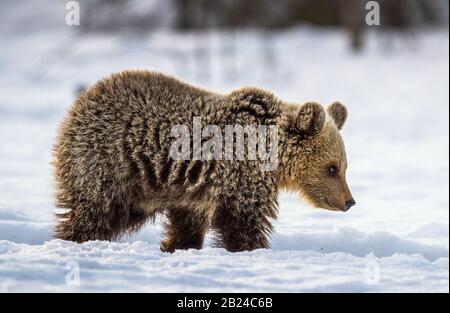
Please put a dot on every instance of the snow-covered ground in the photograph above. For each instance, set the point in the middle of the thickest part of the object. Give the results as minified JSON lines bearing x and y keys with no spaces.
{"x":395,"y":239}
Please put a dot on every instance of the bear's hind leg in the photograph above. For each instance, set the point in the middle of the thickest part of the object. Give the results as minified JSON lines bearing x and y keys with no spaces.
{"x":89,"y":222}
{"x":185,"y":229}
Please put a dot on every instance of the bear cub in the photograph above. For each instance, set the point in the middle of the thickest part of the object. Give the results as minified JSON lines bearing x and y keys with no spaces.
{"x":114,"y":166}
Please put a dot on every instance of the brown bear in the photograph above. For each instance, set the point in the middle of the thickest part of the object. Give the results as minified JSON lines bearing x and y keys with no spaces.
{"x":114,"y":171}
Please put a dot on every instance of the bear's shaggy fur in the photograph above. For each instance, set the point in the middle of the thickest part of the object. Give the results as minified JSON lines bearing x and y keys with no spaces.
{"x":113,"y":170}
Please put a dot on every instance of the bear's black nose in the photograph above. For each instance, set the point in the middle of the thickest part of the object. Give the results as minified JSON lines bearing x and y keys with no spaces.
{"x":349,"y":204}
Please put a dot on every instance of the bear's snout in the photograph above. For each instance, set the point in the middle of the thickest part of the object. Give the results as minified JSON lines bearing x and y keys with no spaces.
{"x":349,"y":204}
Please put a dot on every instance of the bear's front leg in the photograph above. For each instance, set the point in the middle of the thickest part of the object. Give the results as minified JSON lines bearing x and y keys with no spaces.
{"x":242,"y":221}
{"x":185,"y":229}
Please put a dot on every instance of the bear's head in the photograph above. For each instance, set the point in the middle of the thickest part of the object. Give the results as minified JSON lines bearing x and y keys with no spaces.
{"x":313,"y":160}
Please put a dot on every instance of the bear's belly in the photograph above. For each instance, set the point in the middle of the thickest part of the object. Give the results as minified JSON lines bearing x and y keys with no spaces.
{"x":173,"y":197}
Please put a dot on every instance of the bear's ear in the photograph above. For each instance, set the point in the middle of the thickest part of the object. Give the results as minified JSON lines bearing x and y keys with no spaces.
{"x":310,"y":118}
{"x":338,"y":113}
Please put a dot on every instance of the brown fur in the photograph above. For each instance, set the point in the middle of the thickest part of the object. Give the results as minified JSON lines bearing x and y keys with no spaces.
{"x":114,"y":173}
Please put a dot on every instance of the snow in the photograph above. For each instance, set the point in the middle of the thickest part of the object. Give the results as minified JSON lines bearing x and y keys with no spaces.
{"x":395,"y":239}
{"x":140,"y":266}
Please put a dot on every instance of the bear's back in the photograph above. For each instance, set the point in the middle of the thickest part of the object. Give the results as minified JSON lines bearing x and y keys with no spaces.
{"x":149,"y":93}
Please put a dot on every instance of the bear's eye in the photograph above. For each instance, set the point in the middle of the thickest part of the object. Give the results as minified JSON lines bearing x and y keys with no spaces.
{"x":332,"y":170}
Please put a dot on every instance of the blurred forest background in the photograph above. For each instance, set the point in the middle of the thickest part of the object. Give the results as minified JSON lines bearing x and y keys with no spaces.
{"x":402,"y":16}
{"x":399,"y":15}
{"x":113,"y":15}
